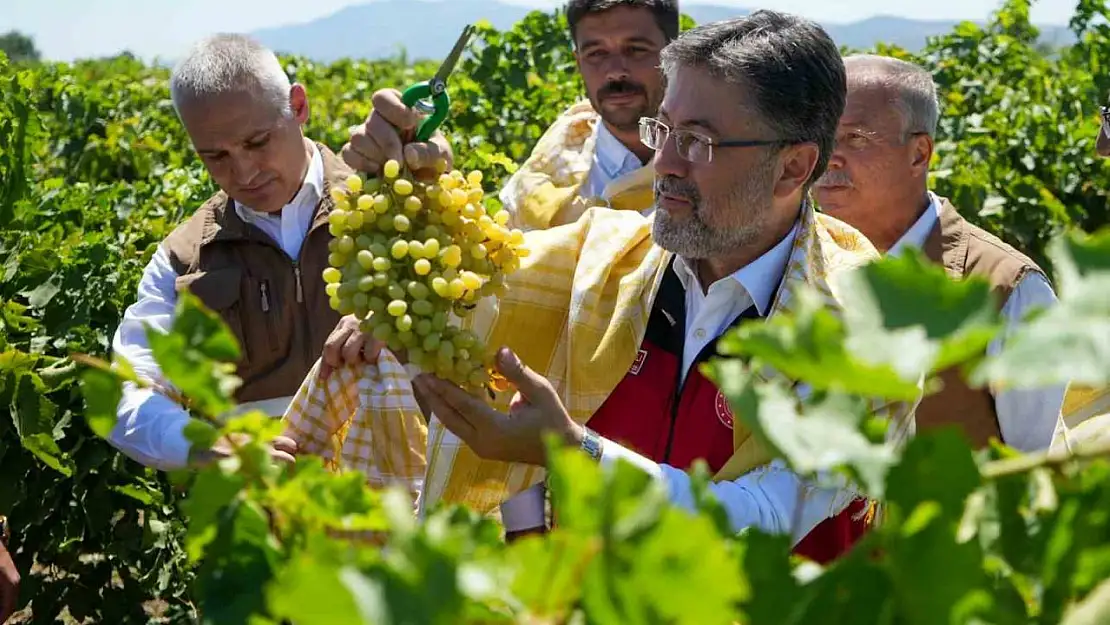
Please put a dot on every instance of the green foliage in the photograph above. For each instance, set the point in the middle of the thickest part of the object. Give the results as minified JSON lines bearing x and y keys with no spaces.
{"x":1016,"y":139}
{"x":95,"y":170}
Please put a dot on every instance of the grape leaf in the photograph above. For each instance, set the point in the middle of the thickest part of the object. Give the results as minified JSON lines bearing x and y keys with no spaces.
{"x":238,"y":566}
{"x":824,"y":435}
{"x":906,"y":311}
{"x":1069,"y":342}
{"x":307,"y":578}
{"x":102,"y":393}
{"x":40,"y":296}
{"x":211,"y":493}
{"x":200,"y":434}
{"x":810,"y":345}
{"x":937,"y":577}
{"x":198,"y":355}
{"x":31,"y":412}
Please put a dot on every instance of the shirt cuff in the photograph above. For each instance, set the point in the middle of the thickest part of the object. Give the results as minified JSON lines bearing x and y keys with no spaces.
{"x":525,"y":510}
{"x":612,"y":452}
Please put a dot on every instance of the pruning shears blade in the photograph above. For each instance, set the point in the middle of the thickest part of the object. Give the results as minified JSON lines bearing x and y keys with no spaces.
{"x":448,"y":65}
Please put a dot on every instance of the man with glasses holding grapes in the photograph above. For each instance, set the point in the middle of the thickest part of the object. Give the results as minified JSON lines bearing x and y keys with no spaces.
{"x":614,"y":312}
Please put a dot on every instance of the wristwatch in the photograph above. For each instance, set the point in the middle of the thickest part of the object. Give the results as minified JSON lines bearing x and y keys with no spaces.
{"x":591,"y":444}
{"x":5,"y":530}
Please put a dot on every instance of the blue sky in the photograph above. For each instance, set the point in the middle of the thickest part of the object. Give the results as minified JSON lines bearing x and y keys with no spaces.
{"x":68,"y":29}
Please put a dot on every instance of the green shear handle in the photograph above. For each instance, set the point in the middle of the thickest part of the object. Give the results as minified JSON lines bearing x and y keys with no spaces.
{"x":436,"y":89}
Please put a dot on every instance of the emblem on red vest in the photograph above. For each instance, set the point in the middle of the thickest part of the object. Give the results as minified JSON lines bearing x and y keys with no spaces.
{"x":637,"y":364}
{"x":724,"y":412}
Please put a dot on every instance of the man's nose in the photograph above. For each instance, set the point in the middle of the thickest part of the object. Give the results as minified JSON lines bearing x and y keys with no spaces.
{"x":616,"y":67}
{"x":667,"y":162}
{"x":245,"y":169}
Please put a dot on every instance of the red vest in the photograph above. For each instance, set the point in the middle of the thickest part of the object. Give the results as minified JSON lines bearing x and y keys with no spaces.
{"x":671,"y":422}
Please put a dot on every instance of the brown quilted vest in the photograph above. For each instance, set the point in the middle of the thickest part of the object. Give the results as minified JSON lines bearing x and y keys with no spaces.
{"x":275,"y":305}
{"x":965,"y":249}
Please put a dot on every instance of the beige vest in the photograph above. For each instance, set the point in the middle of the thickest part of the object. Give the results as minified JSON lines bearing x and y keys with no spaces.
{"x":965,"y":249}
{"x":275,"y":305}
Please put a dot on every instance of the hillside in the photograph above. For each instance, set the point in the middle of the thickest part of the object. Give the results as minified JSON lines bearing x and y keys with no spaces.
{"x":426,"y":29}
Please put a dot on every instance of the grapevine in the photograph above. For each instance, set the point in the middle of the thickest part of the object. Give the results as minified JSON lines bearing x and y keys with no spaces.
{"x":411,"y":258}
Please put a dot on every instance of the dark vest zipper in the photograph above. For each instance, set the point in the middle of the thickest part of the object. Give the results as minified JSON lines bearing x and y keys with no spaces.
{"x":264,"y":289}
{"x":298,"y":282}
{"x":710,"y":349}
{"x":676,"y":400}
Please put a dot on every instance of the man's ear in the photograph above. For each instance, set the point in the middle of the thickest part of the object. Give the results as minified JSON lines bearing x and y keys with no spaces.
{"x":797,"y":162}
{"x":922,"y":153}
{"x":298,"y":101}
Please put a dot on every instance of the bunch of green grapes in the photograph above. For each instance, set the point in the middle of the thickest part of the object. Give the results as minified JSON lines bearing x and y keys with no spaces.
{"x":406,"y":254}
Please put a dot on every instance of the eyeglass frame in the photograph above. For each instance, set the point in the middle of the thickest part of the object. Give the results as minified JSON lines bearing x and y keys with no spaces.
{"x":710,"y":142}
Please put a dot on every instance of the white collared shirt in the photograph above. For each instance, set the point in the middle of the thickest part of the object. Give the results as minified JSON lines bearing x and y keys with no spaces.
{"x":150,"y":425}
{"x":611,"y":160}
{"x":709,"y":312}
{"x":767,"y":498}
{"x":1027,"y":418}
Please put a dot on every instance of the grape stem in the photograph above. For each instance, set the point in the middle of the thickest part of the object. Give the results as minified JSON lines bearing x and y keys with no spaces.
{"x":1049,"y":458}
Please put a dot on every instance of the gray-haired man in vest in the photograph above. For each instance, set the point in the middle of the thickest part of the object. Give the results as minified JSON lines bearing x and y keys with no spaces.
{"x":253,"y":253}
{"x":877,"y":181}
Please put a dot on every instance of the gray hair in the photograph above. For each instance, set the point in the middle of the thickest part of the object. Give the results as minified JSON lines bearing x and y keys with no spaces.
{"x":230,"y":63}
{"x":916,"y":93}
{"x":789,"y":64}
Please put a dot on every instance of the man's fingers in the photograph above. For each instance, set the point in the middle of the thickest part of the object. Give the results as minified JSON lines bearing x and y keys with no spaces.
{"x":352,"y":348}
{"x":361,"y":152}
{"x":285,"y":443}
{"x":452,"y":419}
{"x":423,"y":155}
{"x":387,"y":104}
{"x":282,"y":456}
{"x":476,"y":411}
{"x":531,"y":385}
{"x":332,"y":356}
{"x":386,"y":139}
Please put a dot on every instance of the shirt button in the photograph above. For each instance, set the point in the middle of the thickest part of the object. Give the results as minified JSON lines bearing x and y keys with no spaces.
{"x":699,"y":334}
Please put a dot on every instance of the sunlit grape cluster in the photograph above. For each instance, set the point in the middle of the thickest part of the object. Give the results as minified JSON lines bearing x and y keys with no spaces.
{"x":406,"y":254}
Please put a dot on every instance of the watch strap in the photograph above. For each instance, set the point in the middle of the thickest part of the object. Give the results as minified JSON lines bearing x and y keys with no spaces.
{"x":591,"y":444}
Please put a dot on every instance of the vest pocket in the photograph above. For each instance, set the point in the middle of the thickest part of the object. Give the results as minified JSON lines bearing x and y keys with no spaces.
{"x":219,"y":290}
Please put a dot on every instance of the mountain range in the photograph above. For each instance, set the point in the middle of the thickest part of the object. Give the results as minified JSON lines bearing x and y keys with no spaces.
{"x":427,"y":29}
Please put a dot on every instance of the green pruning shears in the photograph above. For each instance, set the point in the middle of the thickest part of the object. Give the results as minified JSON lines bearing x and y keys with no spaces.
{"x":436,"y":89}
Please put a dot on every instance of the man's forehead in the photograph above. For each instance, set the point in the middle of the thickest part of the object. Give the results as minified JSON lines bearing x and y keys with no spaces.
{"x":221,"y":121}
{"x":699,"y":100}
{"x":621,"y":23}
{"x":869,"y":102}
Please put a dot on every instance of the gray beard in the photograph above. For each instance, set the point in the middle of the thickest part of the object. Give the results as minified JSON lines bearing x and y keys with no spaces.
{"x":695,"y":239}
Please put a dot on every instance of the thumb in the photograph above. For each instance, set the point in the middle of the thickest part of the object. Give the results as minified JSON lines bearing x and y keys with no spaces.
{"x":533,"y":386}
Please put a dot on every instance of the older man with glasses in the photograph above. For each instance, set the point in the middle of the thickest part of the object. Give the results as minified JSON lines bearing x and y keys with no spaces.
{"x":613,"y":312}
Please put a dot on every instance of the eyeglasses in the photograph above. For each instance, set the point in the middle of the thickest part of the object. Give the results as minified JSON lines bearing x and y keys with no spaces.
{"x":692,"y":146}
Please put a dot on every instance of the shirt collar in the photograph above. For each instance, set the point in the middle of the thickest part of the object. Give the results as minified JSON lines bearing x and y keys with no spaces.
{"x":919,"y":231}
{"x":312,"y":189}
{"x":759,"y":278}
{"x":614,"y":157}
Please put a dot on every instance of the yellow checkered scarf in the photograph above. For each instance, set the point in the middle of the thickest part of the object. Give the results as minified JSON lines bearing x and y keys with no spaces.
{"x":544,"y":192}
{"x":576,"y":312}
